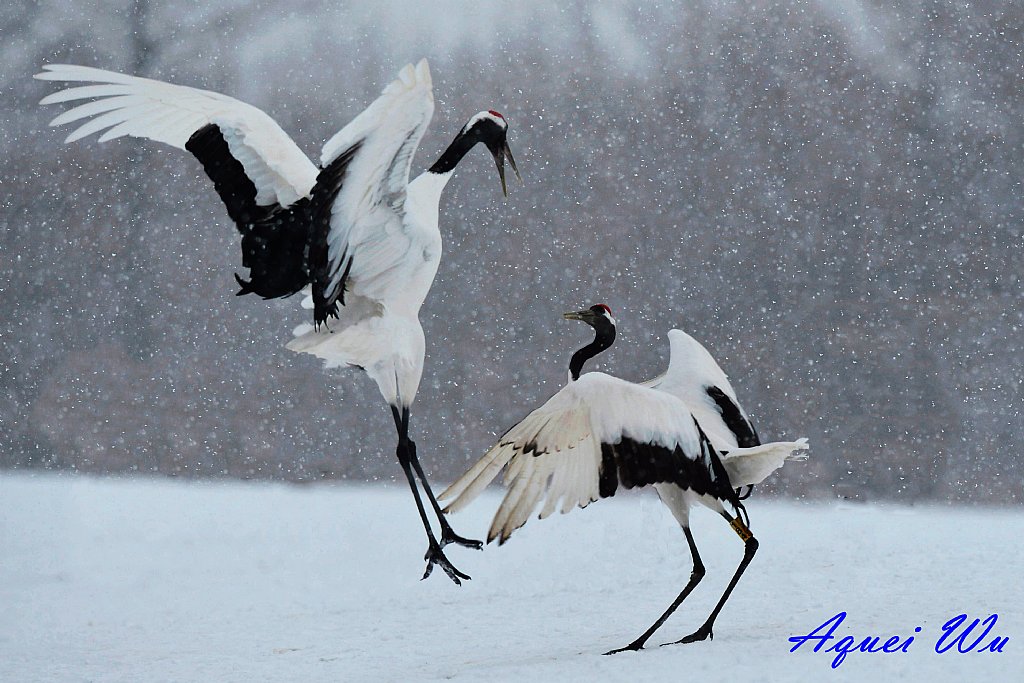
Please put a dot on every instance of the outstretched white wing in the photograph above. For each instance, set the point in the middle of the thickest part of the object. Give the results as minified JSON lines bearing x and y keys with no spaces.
{"x":172,"y":114}
{"x":696,"y":379}
{"x":593,"y":436}
{"x":359,"y":200}
{"x":699,"y":382}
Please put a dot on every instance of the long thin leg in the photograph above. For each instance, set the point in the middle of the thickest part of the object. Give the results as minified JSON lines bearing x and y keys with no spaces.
{"x":749,"y":548}
{"x":695,"y":576}
{"x":434,"y":554}
{"x":448,"y":534}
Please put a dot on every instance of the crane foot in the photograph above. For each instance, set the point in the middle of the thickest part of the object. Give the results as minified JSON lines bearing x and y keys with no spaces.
{"x":635,"y":646}
{"x":435,"y":556}
{"x":703,"y":633}
{"x":449,"y":536}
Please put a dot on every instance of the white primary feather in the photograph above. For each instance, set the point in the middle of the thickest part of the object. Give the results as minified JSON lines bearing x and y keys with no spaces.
{"x":366,"y":216}
{"x":554,"y":454}
{"x":167,"y":113}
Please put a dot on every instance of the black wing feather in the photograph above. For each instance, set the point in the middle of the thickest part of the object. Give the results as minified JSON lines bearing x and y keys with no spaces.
{"x":273,"y":237}
{"x":632,"y":464}
{"x":746,"y":435}
{"x":328,"y":185}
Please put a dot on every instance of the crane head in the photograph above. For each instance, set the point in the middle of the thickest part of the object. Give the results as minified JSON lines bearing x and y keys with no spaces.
{"x":491,"y":128}
{"x":593,"y":316}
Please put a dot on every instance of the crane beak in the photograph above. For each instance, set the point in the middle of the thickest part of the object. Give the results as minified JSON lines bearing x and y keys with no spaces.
{"x":502,"y":152}
{"x":512,"y":161}
{"x":578,"y":315}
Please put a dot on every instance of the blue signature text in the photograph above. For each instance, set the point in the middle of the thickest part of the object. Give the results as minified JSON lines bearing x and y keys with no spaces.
{"x":959,"y":634}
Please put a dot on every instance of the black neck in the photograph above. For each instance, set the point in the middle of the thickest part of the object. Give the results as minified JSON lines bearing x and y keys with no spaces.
{"x":604,"y":335}
{"x":462,"y":143}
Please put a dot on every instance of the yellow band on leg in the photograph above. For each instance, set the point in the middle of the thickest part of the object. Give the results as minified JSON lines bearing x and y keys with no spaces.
{"x":741,"y":529}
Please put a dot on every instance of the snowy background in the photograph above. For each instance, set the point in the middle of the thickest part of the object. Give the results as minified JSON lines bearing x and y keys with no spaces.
{"x":827,"y":193}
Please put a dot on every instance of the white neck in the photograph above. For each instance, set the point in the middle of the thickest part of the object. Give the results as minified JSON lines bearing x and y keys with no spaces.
{"x":428,"y":186}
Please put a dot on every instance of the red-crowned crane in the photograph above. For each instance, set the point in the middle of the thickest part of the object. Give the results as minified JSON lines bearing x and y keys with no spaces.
{"x":354,"y":229}
{"x":600,"y":433}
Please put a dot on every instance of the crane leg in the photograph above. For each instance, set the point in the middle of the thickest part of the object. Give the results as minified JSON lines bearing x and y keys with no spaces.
{"x":448,"y":534}
{"x":749,"y":548}
{"x":406,"y":453}
{"x":695,"y":576}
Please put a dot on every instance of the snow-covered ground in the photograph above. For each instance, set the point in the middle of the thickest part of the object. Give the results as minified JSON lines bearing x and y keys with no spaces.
{"x":151,"y":580}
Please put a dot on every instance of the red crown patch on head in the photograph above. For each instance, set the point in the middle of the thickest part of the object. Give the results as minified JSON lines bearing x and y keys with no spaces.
{"x":606,"y":309}
{"x":491,"y":111}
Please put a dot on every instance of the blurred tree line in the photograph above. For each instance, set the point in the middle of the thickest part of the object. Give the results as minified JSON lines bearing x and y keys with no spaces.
{"x":828,"y":194}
